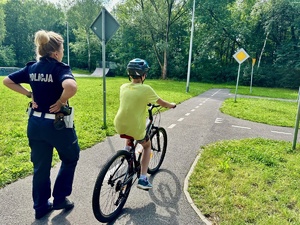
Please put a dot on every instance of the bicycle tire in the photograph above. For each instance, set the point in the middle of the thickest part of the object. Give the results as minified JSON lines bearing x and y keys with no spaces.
{"x":112,"y":187}
{"x":159,"y":142}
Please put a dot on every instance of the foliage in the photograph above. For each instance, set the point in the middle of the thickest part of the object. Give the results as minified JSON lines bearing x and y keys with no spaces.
{"x":23,"y":19}
{"x":280,"y":21}
{"x":85,"y":46}
{"x":2,"y":24}
{"x":159,"y":31}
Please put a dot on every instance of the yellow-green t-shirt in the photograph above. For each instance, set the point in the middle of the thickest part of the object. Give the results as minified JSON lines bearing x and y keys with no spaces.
{"x":131,"y":116}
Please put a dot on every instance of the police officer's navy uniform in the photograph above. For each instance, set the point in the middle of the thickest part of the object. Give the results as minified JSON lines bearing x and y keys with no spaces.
{"x":45,"y":78}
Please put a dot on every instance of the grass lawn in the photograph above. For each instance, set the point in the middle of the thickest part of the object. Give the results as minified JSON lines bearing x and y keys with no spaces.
{"x":251,"y":181}
{"x":88,"y":103}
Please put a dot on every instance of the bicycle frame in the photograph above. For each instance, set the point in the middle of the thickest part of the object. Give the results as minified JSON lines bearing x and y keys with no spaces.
{"x":133,"y":161}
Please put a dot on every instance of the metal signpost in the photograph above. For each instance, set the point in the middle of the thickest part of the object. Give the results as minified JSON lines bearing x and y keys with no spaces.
{"x":240,"y":56}
{"x":253,"y":63}
{"x":190,"y":52}
{"x":104,"y":26}
{"x":297,"y":123}
{"x":68,"y":44}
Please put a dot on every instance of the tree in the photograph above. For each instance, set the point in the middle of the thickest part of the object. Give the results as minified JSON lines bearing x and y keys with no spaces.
{"x":152,"y":22}
{"x":280,"y":21}
{"x":6,"y":53}
{"x":216,"y":41}
{"x":80,"y":17}
{"x":22,"y":22}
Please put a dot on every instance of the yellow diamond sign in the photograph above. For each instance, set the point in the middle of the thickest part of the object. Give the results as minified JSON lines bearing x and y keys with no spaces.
{"x":241,"y":55}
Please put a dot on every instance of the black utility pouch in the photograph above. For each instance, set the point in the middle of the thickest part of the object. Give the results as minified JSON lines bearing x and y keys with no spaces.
{"x":59,"y":122}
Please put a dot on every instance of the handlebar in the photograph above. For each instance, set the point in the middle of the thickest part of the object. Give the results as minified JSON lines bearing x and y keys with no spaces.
{"x":151,"y":107}
{"x":156,"y":106}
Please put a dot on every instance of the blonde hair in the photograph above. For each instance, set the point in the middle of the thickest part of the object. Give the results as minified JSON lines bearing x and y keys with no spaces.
{"x":47,"y":42}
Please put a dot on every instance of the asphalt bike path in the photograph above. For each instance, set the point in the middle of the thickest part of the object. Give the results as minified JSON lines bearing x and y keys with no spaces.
{"x":194,"y":123}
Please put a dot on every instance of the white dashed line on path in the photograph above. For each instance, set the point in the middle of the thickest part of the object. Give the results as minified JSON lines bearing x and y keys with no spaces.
{"x":187,"y":114}
{"x":193,"y":110}
{"x":219,"y":120}
{"x":172,"y":125}
{"x":216,"y":92}
{"x":241,"y":127}
{"x":279,"y":132}
{"x":180,"y":119}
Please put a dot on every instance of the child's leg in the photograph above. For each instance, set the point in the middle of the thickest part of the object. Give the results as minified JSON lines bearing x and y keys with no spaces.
{"x":145,"y":157}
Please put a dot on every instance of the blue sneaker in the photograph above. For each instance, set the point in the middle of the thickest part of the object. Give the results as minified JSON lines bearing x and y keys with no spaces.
{"x":144,"y":184}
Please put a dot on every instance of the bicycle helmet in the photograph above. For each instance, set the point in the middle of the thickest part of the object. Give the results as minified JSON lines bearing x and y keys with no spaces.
{"x":136,"y":68}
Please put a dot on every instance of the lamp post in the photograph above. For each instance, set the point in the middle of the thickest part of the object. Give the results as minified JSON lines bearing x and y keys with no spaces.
{"x":190,"y":52}
{"x":68,"y":50}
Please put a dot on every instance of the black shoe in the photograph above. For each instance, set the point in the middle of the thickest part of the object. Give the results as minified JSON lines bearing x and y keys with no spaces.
{"x":40,"y":214}
{"x":66,"y":204}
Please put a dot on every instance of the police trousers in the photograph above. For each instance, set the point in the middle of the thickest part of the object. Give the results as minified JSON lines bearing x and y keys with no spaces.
{"x":43,"y":138}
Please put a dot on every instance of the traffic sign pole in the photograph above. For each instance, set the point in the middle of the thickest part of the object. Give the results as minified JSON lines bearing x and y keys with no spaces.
{"x":240,"y":56}
{"x":297,"y":123}
{"x":253,"y":62}
{"x":103,"y":68}
{"x":237,"y":83}
{"x":104,"y":27}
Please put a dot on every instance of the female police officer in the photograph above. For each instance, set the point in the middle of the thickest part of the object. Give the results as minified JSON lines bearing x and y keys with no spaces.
{"x":52,"y":84}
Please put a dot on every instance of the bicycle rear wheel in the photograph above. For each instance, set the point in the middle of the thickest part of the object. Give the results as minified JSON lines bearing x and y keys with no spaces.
{"x":159,"y":141}
{"x":112,"y":187}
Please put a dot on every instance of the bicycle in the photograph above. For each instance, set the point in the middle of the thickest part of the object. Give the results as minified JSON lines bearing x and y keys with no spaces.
{"x":119,"y":173}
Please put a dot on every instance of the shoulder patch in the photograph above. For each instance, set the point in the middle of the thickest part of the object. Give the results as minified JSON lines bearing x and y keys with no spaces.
{"x":64,"y":64}
{"x":30,"y":63}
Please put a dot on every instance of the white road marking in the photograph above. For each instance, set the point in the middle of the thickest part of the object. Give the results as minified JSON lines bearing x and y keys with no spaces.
{"x":241,"y":127}
{"x":279,"y":132}
{"x":216,"y":92}
{"x":187,"y":114}
{"x":180,"y":119}
{"x":193,"y":110}
{"x":219,"y":120}
{"x":200,"y":104}
{"x":172,"y":125}
{"x":197,"y":107}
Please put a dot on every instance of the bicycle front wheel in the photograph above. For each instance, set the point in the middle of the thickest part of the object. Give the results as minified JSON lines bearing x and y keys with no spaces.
{"x":159,"y":141}
{"x":112,"y":187}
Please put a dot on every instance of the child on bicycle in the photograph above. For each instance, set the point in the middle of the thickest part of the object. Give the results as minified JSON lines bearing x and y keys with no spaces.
{"x":131,"y":115}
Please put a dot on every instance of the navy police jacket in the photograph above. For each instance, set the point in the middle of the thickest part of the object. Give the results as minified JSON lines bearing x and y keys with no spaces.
{"x":45,"y":78}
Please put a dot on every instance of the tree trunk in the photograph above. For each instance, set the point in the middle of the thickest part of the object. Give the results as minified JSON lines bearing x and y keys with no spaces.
{"x":262,"y":51}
